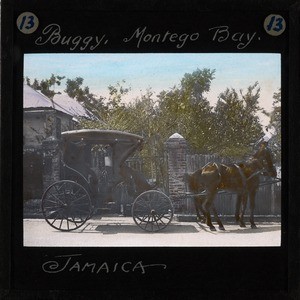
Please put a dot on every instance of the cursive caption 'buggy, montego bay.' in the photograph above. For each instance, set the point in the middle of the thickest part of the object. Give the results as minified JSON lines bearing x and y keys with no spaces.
{"x":53,"y":34}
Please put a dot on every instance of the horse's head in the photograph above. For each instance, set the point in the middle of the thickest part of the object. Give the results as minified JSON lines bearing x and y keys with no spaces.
{"x":264,"y":157}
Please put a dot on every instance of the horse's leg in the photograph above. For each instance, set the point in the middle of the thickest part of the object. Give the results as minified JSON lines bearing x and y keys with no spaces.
{"x":198,"y":206}
{"x":252,"y":195}
{"x":197,"y":209}
{"x":208,"y":203}
{"x":201,"y":201}
{"x":238,"y":207}
{"x":221,"y":226}
{"x":242,"y":212}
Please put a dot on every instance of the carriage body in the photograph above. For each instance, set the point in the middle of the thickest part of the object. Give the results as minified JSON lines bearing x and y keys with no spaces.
{"x":95,"y":178}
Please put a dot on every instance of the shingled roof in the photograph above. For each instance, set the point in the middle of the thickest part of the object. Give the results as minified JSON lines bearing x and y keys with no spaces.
{"x":61,"y":102}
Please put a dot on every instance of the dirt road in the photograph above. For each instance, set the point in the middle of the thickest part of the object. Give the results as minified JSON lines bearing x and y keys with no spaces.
{"x":123,"y":232}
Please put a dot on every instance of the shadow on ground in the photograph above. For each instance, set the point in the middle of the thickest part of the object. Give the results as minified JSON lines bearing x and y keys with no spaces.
{"x":115,"y":228}
{"x":240,"y":230}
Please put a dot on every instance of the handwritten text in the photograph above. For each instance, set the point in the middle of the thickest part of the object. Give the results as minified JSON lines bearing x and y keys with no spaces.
{"x":71,"y":263}
{"x":52,"y":34}
{"x":223,"y":33}
{"x":140,"y":35}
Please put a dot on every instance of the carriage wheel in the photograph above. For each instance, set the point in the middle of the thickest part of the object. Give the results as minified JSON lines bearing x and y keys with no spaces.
{"x":66,"y":205}
{"x":152,"y":210}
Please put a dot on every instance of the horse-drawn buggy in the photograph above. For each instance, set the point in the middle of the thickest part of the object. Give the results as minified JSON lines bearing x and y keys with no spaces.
{"x":93,"y":169}
{"x":95,"y":174}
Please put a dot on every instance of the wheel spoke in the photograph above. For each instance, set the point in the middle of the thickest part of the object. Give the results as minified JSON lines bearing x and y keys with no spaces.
{"x":61,"y":221}
{"x":142,"y":220}
{"x":73,"y":220}
{"x":79,"y":199}
{"x":58,"y":199}
{"x":156,"y":221}
{"x":141,"y":204}
{"x":147,"y":223}
{"x":54,"y":220}
{"x":51,"y":201}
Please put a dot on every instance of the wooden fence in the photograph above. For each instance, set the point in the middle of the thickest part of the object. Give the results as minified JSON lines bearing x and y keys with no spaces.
{"x":268,"y":198}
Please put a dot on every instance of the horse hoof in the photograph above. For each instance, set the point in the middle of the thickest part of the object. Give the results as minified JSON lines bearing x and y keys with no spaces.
{"x":243,"y":225}
{"x":212,"y":228}
{"x":221,"y":228}
{"x":253,"y":226}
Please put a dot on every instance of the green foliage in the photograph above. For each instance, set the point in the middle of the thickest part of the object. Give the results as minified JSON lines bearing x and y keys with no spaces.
{"x":116,"y":93}
{"x":195,"y":84}
{"x":230,"y":128}
{"x":275,"y":126}
{"x":83,"y":95}
{"x":237,"y":123}
{"x":186,"y":110}
{"x":45,"y":85}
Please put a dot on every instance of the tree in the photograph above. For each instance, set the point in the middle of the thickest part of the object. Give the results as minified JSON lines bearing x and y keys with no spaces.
{"x":93,"y":104}
{"x":185,"y":109}
{"x":111,"y":113}
{"x":145,"y":120}
{"x":274,"y":126}
{"x":46,"y":85}
{"x":116,"y":94}
{"x":197,"y":83}
{"x":238,"y":125}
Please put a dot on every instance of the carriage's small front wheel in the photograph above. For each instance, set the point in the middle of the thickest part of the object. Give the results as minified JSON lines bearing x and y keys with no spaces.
{"x":66,"y":205}
{"x":152,"y":210}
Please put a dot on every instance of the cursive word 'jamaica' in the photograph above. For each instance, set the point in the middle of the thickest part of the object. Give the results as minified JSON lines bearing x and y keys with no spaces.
{"x":70,"y":263}
{"x":51,"y":34}
{"x":223,"y":33}
{"x":140,"y":36}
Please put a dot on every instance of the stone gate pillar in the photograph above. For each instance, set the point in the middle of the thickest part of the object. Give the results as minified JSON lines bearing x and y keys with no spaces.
{"x":176,"y":147}
{"x":51,"y":161}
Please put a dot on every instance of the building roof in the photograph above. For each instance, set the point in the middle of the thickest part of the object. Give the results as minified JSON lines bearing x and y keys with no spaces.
{"x":35,"y":99}
{"x":60,"y":102}
{"x":70,"y":106}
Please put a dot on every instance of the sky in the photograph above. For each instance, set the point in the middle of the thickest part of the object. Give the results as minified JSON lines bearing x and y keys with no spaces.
{"x":161,"y":71}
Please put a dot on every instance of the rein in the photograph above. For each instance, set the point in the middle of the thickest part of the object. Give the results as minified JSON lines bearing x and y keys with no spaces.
{"x":258,"y":172}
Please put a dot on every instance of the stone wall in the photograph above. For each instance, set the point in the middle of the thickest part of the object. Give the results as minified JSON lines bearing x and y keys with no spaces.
{"x":51,"y":162}
{"x":176,"y":148}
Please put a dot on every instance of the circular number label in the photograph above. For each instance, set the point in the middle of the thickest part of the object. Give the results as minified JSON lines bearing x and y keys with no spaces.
{"x":274,"y":25}
{"x":27,"y":22}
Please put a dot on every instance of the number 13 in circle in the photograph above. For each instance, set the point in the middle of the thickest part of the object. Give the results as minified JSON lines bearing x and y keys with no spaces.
{"x":274,"y":25}
{"x":27,"y":22}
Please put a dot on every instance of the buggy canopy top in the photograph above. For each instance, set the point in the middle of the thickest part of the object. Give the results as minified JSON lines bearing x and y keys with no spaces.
{"x":122,"y":143}
{"x":101,"y":136}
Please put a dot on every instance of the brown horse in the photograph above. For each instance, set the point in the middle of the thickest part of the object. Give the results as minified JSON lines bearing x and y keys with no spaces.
{"x":240,"y":178}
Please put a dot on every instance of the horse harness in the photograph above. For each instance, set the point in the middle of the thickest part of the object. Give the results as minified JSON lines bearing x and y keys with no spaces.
{"x":243,"y":176}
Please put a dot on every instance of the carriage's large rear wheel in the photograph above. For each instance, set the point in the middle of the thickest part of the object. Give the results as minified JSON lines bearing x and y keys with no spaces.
{"x":152,"y":210}
{"x":66,"y":205}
